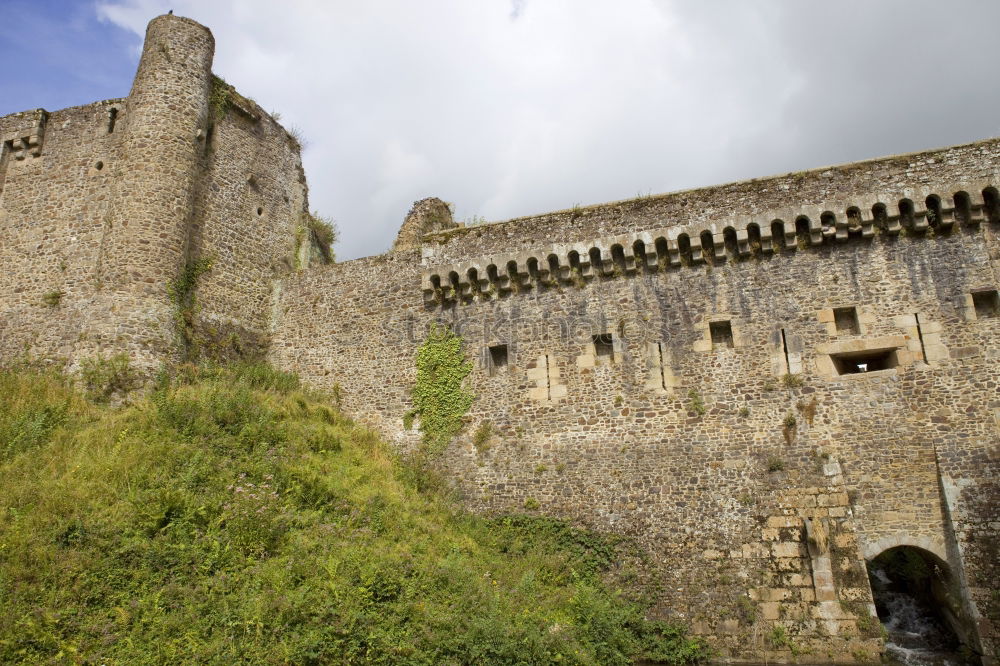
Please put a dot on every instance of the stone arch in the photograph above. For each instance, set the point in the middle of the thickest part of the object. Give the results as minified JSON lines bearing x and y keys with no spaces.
{"x":913,"y":580}
{"x":933,"y":545}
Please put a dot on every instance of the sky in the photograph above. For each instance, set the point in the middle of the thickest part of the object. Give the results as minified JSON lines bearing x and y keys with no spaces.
{"x":516,"y":107}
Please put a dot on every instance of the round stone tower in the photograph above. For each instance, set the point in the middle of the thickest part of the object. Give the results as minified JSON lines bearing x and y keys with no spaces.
{"x":159,"y":159}
{"x":160,"y":153}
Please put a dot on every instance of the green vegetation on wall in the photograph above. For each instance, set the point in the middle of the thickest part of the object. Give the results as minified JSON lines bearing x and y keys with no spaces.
{"x":322,"y":233}
{"x":182,"y":293}
{"x":440,"y":397}
{"x":232,"y":517}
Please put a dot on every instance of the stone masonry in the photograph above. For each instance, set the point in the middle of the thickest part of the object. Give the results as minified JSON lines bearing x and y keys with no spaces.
{"x":766,"y":383}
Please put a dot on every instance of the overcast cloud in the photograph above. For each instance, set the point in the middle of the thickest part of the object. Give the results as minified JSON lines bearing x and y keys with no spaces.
{"x":513,"y":107}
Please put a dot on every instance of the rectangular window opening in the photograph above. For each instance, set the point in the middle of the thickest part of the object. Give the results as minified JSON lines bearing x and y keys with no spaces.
{"x":987,"y":303}
{"x":869,"y":360}
{"x":112,"y":119}
{"x":846,"y":320}
{"x":722,"y":333}
{"x":604,"y":346}
{"x":498,"y":358}
{"x":663,"y":370}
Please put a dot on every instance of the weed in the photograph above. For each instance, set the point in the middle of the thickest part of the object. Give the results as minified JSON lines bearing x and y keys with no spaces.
{"x":792,"y":380}
{"x":106,"y":378}
{"x":53,"y":298}
{"x":481,"y":438}
{"x":323,"y":233}
{"x":775,"y":464}
{"x":769,"y":384}
{"x":695,"y":403}
{"x":540,"y":468}
{"x":531,"y":504}
{"x":788,"y":427}
{"x":744,"y":412}
{"x":808,"y":409}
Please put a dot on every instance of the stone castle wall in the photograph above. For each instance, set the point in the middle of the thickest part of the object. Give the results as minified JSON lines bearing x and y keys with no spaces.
{"x":102,"y":207}
{"x":676,"y":368}
{"x":721,"y":453}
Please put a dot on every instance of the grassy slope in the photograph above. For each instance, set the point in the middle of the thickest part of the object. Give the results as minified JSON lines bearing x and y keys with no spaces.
{"x":234,"y":518}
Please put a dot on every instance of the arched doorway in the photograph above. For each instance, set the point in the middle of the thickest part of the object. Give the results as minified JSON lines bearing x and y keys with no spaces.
{"x":916,"y":603}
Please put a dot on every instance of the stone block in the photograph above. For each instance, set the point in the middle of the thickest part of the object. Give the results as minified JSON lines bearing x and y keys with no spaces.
{"x":786,"y":549}
{"x":770,"y":610}
{"x":825,"y":316}
{"x":540,"y":393}
{"x":702,"y":346}
{"x":784,"y":521}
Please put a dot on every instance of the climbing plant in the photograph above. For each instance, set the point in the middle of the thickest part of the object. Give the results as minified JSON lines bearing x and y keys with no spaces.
{"x":182,"y":292}
{"x":440,"y":397}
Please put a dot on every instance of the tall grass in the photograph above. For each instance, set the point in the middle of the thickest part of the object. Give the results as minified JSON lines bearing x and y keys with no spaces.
{"x":232,"y":517}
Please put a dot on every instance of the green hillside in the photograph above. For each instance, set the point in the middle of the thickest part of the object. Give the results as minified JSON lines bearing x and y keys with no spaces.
{"x":233,"y":517}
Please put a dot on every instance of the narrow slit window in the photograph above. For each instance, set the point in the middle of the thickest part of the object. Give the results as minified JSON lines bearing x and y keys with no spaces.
{"x":871,"y":360}
{"x":722,"y":333}
{"x":846,"y":320}
{"x":112,"y":119}
{"x":604,"y":346}
{"x":987,"y":303}
{"x":498,"y":358}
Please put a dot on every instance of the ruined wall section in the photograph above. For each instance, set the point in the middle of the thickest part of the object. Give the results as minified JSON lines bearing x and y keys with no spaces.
{"x":56,"y":171}
{"x":249,"y":222}
{"x":714,"y":425}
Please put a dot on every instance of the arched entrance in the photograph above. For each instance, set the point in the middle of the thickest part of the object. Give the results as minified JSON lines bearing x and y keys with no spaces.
{"x":917,"y":604}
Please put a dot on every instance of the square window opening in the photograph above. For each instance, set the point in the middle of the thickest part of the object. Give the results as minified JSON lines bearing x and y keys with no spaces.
{"x":869,"y":360}
{"x":604,"y":346}
{"x":498,"y":358}
{"x":846,"y":320}
{"x":987,"y":303}
{"x":721,"y":332}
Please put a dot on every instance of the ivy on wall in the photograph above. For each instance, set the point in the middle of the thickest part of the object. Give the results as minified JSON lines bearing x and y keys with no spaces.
{"x":440,"y":398}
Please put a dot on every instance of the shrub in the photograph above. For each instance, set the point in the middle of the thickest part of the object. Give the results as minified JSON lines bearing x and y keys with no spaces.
{"x":106,"y":378}
{"x":53,"y":298}
{"x":324,"y":234}
{"x":481,"y":438}
{"x":791,"y":380}
{"x":695,"y":403}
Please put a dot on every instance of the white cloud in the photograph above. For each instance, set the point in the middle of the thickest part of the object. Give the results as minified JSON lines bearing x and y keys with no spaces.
{"x":512,"y":107}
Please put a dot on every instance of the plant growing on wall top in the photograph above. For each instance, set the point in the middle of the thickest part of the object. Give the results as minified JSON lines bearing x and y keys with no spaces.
{"x":440,"y":397}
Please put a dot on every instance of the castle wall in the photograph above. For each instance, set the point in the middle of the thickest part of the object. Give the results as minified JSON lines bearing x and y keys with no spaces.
{"x":102,"y":206}
{"x":719,"y":464}
{"x":56,"y":171}
{"x":249,"y":221}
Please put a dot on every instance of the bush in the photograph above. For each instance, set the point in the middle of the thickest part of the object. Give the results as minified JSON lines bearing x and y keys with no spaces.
{"x":324,"y":234}
{"x":107,"y":378}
